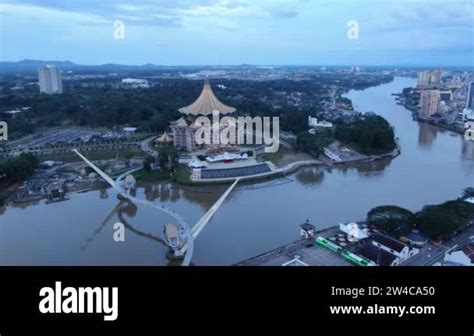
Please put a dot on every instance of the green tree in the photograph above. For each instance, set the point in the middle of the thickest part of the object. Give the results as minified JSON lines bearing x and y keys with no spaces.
{"x":441,"y":220}
{"x":147,"y":162}
{"x":173,"y":158}
{"x":388,"y":218}
{"x":370,"y":135}
{"x":16,"y":169}
{"x":314,"y":143}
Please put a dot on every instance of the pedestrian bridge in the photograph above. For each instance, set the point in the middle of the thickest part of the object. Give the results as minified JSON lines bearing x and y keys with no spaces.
{"x":192,"y":233}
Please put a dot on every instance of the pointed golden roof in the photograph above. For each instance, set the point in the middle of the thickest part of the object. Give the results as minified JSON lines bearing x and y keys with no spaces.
{"x":164,"y":138}
{"x":206,"y":103}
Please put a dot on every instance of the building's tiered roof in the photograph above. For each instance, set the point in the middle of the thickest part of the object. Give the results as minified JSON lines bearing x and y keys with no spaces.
{"x":206,"y":103}
{"x":165,"y":138}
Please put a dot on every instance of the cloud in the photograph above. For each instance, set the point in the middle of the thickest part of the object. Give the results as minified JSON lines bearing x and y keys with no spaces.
{"x":283,"y":12}
{"x":234,"y":29}
{"x":170,"y":13}
{"x":433,"y":15}
{"x":158,"y":13}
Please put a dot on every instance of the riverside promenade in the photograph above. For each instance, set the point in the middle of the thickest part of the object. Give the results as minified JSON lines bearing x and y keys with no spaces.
{"x":275,"y":171}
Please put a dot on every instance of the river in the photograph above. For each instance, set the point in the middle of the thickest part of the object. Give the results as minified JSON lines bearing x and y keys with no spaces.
{"x":435,"y":165}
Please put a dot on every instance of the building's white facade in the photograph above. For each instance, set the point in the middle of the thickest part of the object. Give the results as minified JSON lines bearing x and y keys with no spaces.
{"x":458,"y":257}
{"x":429,"y":101}
{"x":313,"y":122}
{"x":333,"y":156}
{"x":402,"y":251}
{"x":467,"y":115}
{"x":353,"y":231}
{"x":50,"y":80}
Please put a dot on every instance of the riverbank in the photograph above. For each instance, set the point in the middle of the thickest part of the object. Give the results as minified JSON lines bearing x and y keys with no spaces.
{"x":301,"y":252}
{"x":295,"y":166}
{"x":424,"y":241}
{"x":451,"y":128}
{"x":405,"y":101}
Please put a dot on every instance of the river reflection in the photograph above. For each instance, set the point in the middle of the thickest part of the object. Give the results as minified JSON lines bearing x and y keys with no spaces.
{"x":426,"y":134}
{"x":468,"y":150}
{"x":434,"y":165}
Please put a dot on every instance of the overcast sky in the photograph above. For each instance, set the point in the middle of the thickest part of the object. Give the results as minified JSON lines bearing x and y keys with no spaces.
{"x":217,"y":32}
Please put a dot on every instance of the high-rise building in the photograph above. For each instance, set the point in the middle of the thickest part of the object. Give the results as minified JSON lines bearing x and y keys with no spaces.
{"x":429,"y":101}
{"x":50,"y":80}
{"x":470,"y":96}
{"x":423,"y":79}
{"x":429,"y":78}
{"x":435,"y":78}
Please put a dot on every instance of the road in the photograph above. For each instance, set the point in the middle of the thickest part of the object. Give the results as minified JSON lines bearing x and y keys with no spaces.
{"x":432,"y":253}
{"x":145,"y":146}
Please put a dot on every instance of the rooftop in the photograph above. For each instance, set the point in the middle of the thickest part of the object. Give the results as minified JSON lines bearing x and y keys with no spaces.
{"x":468,"y":249}
{"x":388,"y":242}
{"x":377,"y":255}
{"x":206,"y":103}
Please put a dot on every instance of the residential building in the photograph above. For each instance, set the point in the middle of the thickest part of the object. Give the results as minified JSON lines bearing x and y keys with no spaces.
{"x":394,"y":246}
{"x":470,"y":96}
{"x":423,"y":79}
{"x":50,"y":80}
{"x":429,"y":103}
{"x":378,"y":255}
{"x":435,"y":78}
{"x":427,"y":79}
{"x":313,"y":122}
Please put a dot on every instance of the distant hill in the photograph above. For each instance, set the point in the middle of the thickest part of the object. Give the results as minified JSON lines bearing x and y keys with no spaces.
{"x":28,"y":65}
{"x":31,"y":66}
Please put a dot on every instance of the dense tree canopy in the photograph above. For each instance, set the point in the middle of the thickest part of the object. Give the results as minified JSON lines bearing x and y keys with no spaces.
{"x":314,"y":143}
{"x":389,"y":218}
{"x":16,"y":169}
{"x":102,"y":102}
{"x":440,"y":221}
{"x":369,"y":135}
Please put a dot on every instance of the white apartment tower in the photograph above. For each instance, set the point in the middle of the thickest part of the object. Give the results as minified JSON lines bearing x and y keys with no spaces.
{"x":423,"y":79}
{"x":429,"y":101}
{"x":50,"y":80}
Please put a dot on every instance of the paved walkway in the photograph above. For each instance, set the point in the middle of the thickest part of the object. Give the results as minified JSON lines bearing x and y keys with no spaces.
{"x":145,"y":146}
